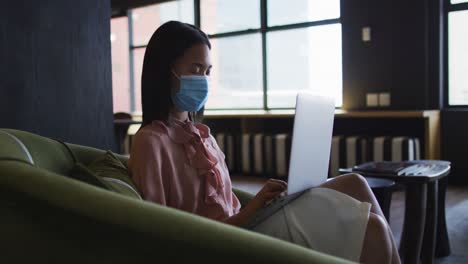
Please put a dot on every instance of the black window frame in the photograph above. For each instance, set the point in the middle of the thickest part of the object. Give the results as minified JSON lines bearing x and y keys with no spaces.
{"x":263,"y":30}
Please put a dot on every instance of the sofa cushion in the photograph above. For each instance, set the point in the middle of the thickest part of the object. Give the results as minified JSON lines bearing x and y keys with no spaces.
{"x":107,"y":172}
{"x":82,"y":173}
{"x":114,"y":173}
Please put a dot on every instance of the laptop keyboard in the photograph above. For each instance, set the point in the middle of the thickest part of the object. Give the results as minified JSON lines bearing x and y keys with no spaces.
{"x":278,"y":198}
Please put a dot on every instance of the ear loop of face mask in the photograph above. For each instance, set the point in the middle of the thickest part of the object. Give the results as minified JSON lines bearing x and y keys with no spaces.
{"x":191,"y":115}
{"x":173,"y":72}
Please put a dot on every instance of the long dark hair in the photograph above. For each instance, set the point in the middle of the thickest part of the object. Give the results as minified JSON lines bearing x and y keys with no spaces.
{"x":168,"y":43}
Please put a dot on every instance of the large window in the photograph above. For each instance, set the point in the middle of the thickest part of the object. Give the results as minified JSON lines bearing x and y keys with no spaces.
{"x":129,"y":37}
{"x":458,"y":53}
{"x":263,"y":51}
{"x":304,"y":59}
{"x":143,"y":22}
{"x":120,"y":65}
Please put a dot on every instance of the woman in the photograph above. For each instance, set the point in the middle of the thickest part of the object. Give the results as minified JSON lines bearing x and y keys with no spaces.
{"x":176,"y":162}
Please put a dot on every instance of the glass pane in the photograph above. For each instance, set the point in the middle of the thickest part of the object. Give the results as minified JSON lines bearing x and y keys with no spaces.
{"x":282,"y":12}
{"x":236,"y":77}
{"x":304,"y":59}
{"x":458,"y":1}
{"x":147,"y":19}
{"x":120,"y":64}
{"x":138,"y":55}
{"x":218,"y":16}
{"x":458,"y":58}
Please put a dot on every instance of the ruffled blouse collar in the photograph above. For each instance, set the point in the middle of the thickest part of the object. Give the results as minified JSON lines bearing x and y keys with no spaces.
{"x":192,"y":136}
{"x":183,"y":131}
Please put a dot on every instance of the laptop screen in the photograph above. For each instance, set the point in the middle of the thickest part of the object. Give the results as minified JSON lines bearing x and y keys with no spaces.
{"x":311,"y":142}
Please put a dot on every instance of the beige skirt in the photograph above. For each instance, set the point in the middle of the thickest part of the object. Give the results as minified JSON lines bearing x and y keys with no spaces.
{"x":324,"y":220}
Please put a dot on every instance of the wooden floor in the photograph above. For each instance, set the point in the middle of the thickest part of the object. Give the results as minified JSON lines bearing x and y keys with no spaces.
{"x":456,"y":212}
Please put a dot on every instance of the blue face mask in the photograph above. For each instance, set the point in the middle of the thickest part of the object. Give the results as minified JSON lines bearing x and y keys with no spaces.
{"x":193,"y":93}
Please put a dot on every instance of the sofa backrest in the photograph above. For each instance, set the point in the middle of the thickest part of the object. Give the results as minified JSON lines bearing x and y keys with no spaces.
{"x":36,"y":150}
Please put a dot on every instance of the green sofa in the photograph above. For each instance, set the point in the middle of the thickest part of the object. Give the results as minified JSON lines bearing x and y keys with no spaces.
{"x":48,"y":217}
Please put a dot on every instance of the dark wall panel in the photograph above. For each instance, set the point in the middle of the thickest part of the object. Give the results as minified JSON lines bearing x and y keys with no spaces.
{"x":402,"y":57}
{"x":366,"y":69}
{"x":55,"y":69}
{"x":455,"y":143}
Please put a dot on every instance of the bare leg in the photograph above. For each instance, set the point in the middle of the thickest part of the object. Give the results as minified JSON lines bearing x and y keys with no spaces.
{"x":356,"y":186}
{"x":376,"y":247}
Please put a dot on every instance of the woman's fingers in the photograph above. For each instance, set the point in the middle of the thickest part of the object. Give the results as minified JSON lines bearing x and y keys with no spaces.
{"x":271,"y":189}
{"x":279,"y":181}
{"x":274,"y":185}
{"x":282,"y":183}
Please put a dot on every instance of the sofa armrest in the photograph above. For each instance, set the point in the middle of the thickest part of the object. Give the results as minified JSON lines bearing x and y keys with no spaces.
{"x":130,"y":230}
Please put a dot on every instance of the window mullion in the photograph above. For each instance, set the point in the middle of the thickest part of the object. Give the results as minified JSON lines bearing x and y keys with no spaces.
{"x":263,"y":26}
{"x":458,"y":7}
{"x":197,"y":15}
{"x":131,"y":62}
{"x":234,"y":33}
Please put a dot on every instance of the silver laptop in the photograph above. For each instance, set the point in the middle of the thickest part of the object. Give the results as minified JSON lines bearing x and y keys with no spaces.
{"x":310,"y":151}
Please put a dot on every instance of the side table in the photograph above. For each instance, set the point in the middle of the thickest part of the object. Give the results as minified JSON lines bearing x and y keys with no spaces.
{"x":382,"y":189}
{"x":424,"y":233}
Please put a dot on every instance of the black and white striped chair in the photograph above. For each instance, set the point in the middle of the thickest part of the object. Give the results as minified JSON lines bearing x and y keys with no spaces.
{"x":227,"y":143}
{"x":347,"y":152}
{"x":352,"y":150}
{"x":268,"y":154}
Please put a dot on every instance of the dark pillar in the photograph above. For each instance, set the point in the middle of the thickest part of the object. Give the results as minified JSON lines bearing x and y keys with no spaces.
{"x":55,"y":69}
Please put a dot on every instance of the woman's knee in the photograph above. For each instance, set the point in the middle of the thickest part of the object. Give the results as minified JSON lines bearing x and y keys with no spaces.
{"x":356,"y":179}
{"x":352,"y":181}
{"x":351,"y":184}
{"x":378,"y":225}
{"x":377,"y":246}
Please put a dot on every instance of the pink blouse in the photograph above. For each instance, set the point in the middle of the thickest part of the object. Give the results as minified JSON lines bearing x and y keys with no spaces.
{"x":180,"y":165}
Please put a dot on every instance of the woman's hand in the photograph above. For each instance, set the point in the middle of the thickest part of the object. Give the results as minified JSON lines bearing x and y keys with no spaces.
{"x":270,"y":190}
